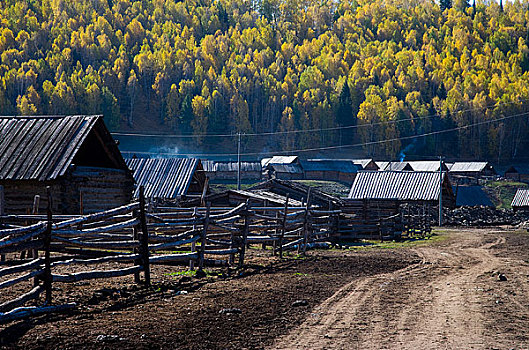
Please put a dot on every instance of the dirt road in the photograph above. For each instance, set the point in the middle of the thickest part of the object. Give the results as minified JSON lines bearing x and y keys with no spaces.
{"x":452,"y":299}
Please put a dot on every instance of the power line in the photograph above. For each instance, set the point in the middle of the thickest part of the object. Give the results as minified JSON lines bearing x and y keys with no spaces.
{"x":370,"y":143}
{"x":188,"y":136}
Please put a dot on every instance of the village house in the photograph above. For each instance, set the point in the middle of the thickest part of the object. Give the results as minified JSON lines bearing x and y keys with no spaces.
{"x":75,"y":155}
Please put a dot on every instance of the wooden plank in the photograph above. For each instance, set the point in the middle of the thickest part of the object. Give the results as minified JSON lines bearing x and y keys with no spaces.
{"x":21,"y":313}
{"x":21,"y":300}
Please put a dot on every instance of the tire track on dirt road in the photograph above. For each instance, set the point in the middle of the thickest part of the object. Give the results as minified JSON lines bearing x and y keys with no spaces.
{"x":434,"y":304}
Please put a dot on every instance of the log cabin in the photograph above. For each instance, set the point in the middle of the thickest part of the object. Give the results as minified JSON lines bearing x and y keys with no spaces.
{"x":75,"y":155}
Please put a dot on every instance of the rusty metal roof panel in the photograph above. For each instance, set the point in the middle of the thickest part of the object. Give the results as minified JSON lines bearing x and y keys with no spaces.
{"x":399,"y":185}
{"x":40,"y":148}
{"x":521,"y":198}
{"x":165,"y":178}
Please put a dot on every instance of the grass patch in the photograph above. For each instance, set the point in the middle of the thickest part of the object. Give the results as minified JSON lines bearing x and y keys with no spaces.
{"x":502,"y":192}
{"x":301,"y":274}
{"x":182,"y":273}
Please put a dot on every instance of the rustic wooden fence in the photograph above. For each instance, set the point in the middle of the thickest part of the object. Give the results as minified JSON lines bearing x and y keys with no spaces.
{"x":132,"y":236}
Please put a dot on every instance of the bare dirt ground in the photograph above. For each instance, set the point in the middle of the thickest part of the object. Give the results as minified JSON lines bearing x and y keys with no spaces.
{"x":444,"y":295}
{"x":451,"y":299}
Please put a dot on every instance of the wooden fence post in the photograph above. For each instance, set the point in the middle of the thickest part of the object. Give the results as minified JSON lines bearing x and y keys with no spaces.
{"x":306,"y":223}
{"x":193,"y":244}
{"x":48,"y":279}
{"x":203,"y":238}
{"x":283,"y":229}
{"x":144,"y":238}
{"x":245,"y":234}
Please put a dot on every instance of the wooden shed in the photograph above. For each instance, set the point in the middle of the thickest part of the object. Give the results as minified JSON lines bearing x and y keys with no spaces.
{"x":518,"y":173}
{"x":74,"y":155}
{"x":470,"y":172}
{"x":330,"y":170}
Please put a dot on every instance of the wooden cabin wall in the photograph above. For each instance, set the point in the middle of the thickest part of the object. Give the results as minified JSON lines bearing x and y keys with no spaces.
{"x":19,"y":196}
{"x":101,"y":189}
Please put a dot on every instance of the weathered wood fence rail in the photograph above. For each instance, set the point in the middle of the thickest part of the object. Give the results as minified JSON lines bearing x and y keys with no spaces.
{"x":131,"y":235}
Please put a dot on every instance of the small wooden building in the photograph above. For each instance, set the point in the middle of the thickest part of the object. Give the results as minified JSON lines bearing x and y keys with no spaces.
{"x":521,"y":200}
{"x":169,"y":180}
{"x":329,"y":170}
{"x":517,"y":173}
{"x":74,"y":155}
{"x":470,"y":172}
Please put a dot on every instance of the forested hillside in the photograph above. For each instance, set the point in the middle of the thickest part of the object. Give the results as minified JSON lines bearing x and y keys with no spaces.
{"x":382,"y":69}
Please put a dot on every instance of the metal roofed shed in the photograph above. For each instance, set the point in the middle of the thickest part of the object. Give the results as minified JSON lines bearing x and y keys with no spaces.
{"x":75,"y":155}
{"x":470,"y":172}
{"x":329,"y":169}
{"x":521,"y":200}
{"x":472,"y":196}
{"x":402,"y":186}
{"x":168,"y":179}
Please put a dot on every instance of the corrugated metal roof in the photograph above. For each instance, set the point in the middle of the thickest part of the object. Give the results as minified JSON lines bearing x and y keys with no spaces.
{"x":382,"y":165}
{"x":344,"y":166}
{"x":472,"y":196}
{"x":426,"y":165}
{"x":521,"y":198}
{"x":279,"y":160}
{"x":165,"y":178}
{"x":400,"y":185}
{"x":40,"y":148}
{"x":287,"y":168}
{"x":397,"y":166}
{"x":363,"y":162}
{"x":468,"y":167}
